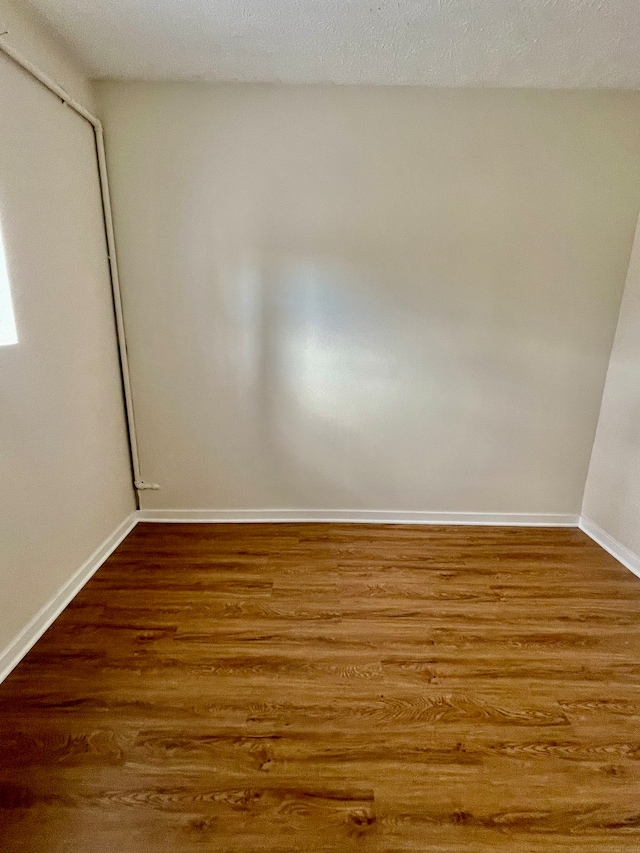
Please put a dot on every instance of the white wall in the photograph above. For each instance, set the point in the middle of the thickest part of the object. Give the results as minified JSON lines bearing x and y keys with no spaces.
{"x":370,"y":298}
{"x":65,"y":483}
{"x":612,"y":494}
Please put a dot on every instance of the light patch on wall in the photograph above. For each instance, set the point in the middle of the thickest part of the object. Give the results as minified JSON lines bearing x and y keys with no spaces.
{"x":340,"y":357}
{"x":8,"y":331}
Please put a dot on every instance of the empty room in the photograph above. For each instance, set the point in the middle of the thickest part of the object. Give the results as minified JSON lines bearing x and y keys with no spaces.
{"x":319,"y":426}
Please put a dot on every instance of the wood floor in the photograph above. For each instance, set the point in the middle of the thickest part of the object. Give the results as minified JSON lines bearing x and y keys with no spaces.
{"x":332,"y":688}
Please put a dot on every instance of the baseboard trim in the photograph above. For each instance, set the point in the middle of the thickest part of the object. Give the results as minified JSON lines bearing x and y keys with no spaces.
{"x":357,"y":516}
{"x":18,"y":648}
{"x":622,"y":554}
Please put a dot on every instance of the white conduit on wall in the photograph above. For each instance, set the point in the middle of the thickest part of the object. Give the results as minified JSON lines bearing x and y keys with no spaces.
{"x":95,"y":122}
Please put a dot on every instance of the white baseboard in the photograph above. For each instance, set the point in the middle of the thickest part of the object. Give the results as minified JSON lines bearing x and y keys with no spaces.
{"x":17,"y":648}
{"x":622,"y":554}
{"x":512,"y":519}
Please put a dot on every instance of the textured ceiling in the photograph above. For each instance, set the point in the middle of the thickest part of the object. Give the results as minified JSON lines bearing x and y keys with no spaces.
{"x":545,"y":43}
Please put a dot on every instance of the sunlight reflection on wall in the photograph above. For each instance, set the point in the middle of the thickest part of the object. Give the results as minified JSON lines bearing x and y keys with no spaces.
{"x":8,"y":331}
{"x":337,"y":345}
{"x":335,"y":375}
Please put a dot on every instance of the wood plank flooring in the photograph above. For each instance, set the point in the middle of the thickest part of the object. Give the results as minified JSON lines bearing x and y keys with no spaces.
{"x":332,"y":688}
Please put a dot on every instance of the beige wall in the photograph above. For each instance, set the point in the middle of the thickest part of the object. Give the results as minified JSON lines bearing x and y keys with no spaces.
{"x":612,"y":495}
{"x":28,"y":32}
{"x":370,"y":298}
{"x":64,"y":470}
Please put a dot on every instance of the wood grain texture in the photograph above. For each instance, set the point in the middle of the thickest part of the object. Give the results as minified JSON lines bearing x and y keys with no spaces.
{"x":330,"y":687}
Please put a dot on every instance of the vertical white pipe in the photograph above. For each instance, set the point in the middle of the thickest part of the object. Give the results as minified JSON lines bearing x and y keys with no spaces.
{"x":57,"y":90}
{"x":117,"y":305}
